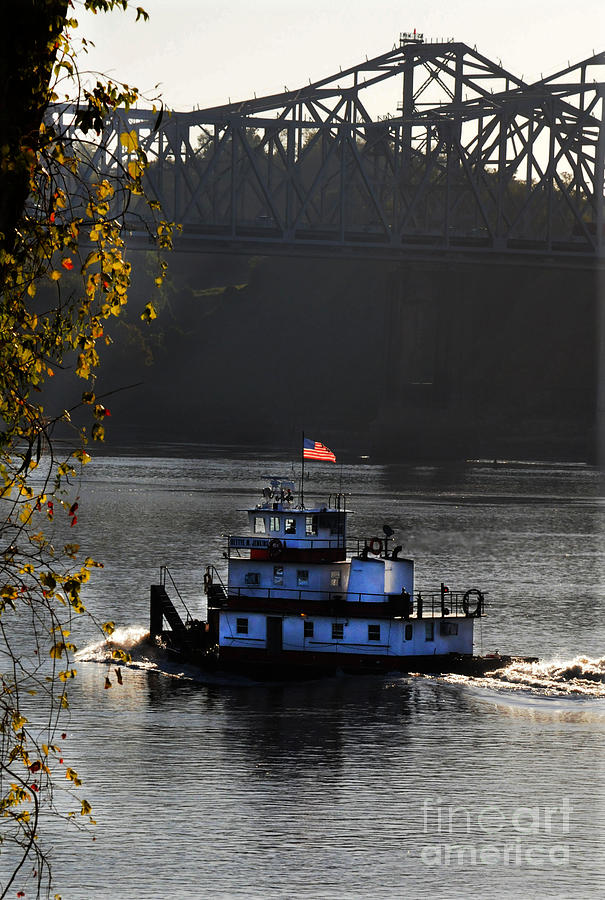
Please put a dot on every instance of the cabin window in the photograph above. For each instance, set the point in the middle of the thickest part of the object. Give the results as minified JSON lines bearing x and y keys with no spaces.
{"x":373,"y":632}
{"x":408,"y":632}
{"x":302,"y":577}
{"x":333,"y":521}
{"x":310,"y":525}
{"x":308,"y":628}
{"x":448,"y":628}
{"x":335,"y":578}
{"x":241,"y":626}
{"x":429,"y":631}
{"x":278,"y":574}
{"x":338,"y":631}
{"x":290,"y":526}
{"x":252,"y":578}
{"x":259,"y":525}
{"x":274,"y":523}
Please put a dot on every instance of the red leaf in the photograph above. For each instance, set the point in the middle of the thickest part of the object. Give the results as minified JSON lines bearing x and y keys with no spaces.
{"x":67,"y":264}
{"x":73,"y":521}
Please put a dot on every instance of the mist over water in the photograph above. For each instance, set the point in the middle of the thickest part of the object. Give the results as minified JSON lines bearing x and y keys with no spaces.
{"x":349,"y":786}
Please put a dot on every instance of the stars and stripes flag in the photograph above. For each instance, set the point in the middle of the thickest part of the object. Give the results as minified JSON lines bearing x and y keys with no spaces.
{"x":316,"y":450}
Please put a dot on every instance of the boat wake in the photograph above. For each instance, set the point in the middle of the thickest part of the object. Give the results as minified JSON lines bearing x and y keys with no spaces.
{"x":133,"y":640}
{"x":147,"y":655}
{"x":576,"y":684}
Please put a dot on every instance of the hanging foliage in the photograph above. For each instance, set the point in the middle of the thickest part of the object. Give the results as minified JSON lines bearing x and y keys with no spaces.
{"x":63,"y":277}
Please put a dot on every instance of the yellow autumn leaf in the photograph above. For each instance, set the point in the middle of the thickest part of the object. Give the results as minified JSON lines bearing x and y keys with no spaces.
{"x":68,"y":673}
{"x":72,"y":775}
{"x":129,"y":140}
{"x":149,"y":313}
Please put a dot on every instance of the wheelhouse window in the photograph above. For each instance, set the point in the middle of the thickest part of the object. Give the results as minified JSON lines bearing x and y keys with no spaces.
{"x":338,"y":631}
{"x":429,"y":631}
{"x":373,"y":632}
{"x":259,"y":525}
{"x":310,"y":525}
{"x":333,"y":521}
{"x":302,"y":577}
{"x":290,"y":525}
{"x":241,"y":626}
{"x":274,"y":523}
{"x":408,"y":632}
{"x":252,"y":578}
{"x":308,"y":628}
{"x":335,"y":578}
{"x":278,"y":574}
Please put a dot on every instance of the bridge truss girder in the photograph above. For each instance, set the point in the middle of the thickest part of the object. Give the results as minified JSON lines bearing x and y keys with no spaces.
{"x":475,"y":159}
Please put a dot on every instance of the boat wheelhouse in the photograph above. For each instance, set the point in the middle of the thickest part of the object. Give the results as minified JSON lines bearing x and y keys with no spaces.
{"x":300,"y":597}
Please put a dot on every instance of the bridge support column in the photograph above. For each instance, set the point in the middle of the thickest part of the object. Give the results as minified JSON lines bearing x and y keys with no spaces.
{"x":493,"y":363}
{"x":600,"y":410}
{"x":423,"y":407}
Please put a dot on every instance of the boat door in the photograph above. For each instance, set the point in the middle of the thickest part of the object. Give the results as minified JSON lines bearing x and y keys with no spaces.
{"x":274,"y":633}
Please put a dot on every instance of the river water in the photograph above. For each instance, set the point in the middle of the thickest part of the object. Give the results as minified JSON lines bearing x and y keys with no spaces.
{"x":346,"y":787}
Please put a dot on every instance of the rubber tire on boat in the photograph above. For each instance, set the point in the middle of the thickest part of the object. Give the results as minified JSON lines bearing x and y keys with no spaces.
{"x":466,"y":606}
{"x":275,"y":548}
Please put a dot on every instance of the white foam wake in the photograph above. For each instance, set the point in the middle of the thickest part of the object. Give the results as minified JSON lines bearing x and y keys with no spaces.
{"x":578,"y":677}
{"x":146,"y":654}
{"x":133,"y":639}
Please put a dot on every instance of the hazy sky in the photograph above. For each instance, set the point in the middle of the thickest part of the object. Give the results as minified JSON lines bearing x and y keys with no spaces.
{"x":204,"y":53}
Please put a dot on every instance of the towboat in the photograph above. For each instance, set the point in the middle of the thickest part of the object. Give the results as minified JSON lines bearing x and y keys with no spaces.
{"x":299,"y":599}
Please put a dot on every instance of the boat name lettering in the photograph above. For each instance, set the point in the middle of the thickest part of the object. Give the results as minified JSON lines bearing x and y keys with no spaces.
{"x":247,"y":542}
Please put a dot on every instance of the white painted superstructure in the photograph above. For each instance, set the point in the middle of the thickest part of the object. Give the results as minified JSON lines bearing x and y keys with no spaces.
{"x":297,"y":594}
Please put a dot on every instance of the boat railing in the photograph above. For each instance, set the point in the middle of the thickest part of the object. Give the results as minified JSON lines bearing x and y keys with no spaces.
{"x":374,"y":548}
{"x":166,"y":576}
{"x":276,"y":545}
{"x":214,"y":587}
{"x":437,"y":604}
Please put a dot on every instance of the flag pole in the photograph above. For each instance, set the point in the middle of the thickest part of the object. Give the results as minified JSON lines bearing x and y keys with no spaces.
{"x":302,"y":480}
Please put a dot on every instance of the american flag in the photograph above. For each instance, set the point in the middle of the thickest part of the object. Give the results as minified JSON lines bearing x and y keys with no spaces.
{"x":316,"y":450}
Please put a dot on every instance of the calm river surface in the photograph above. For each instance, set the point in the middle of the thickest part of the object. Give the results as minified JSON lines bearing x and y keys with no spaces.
{"x":349,"y":787}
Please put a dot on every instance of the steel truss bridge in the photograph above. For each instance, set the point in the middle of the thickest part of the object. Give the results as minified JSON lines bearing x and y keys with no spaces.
{"x":475,"y":161}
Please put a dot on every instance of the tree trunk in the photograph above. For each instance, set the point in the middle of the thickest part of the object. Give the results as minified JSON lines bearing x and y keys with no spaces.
{"x":26,"y":62}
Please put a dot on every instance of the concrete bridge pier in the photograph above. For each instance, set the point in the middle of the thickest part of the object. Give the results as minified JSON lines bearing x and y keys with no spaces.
{"x":492,"y":361}
{"x":600,"y":415}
